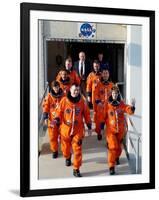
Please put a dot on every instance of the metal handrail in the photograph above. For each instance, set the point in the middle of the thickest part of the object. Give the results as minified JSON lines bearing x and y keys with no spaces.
{"x":136,"y":150}
{"x":120,"y":83}
{"x":132,"y":124}
{"x":40,"y":113}
{"x":138,"y":140}
{"x":47,"y":85}
{"x":41,"y":120}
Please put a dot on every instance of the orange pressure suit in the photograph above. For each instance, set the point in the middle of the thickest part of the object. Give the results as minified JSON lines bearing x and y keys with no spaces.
{"x":50,"y":106}
{"x":71,"y":114}
{"x":101,"y":95}
{"x":65,"y":85}
{"x":92,"y":81}
{"x":116,"y":127}
{"x":74,"y":78}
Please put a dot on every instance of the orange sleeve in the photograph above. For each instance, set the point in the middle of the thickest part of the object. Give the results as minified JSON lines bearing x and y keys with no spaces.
{"x":110,"y":89}
{"x":46,"y":104}
{"x":58,"y":77}
{"x":128,"y":109}
{"x":97,"y":92}
{"x":86,"y":113}
{"x":61,"y":85}
{"x":111,"y":85}
{"x":60,"y":110}
{"x":89,"y":84}
{"x":102,"y":112}
{"x":77,"y":78}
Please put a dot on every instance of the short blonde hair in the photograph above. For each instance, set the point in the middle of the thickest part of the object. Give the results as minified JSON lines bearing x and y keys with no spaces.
{"x":115,"y":88}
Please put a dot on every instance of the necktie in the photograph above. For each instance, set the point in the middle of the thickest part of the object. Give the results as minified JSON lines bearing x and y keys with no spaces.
{"x":81,"y":68}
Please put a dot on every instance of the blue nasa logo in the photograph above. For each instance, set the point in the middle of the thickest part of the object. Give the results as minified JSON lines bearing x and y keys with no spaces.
{"x":87,"y":30}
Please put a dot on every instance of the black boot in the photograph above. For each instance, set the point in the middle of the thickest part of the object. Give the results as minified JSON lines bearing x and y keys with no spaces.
{"x":111,"y":170}
{"x":99,"y":137}
{"x":68,"y":162}
{"x":76,"y":173}
{"x":55,"y":154}
{"x":117,"y":161}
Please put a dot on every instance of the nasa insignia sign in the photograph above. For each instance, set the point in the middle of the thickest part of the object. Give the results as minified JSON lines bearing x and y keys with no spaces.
{"x":87,"y":30}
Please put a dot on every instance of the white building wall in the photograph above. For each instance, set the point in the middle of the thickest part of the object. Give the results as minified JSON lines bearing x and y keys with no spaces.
{"x":41,"y":60}
{"x":111,"y":32}
{"x":134,"y":71}
{"x":59,"y":29}
{"x":69,"y":30}
{"x":134,"y":78}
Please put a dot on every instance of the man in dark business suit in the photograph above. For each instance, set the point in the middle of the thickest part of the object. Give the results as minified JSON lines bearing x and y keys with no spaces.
{"x":103,"y":63}
{"x":83,"y":68}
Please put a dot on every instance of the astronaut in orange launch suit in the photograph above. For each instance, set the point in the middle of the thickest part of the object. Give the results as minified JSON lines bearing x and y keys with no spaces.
{"x":49,"y":107}
{"x":115,"y":125}
{"x":64,"y":81}
{"x":74,"y":78}
{"x":101,"y":95}
{"x":71,"y":112}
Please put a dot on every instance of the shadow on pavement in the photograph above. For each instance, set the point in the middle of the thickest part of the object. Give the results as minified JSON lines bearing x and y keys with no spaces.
{"x":95,"y":173}
{"x":90,"y":145}
{"x":99,"y":160}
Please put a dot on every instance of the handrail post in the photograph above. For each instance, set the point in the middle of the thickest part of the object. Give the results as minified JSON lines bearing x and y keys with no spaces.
{"x":137,"y":155}
{"x":40,"y":114}
{"x":47,"y":84}
{"x":40,"y":117}
{"x":40,"y":120}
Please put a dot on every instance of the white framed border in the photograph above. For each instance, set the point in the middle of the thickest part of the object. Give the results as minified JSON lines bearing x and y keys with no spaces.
{"x":92,"y":181}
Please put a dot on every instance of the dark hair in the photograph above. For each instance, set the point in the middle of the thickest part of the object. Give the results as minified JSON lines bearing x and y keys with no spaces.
{"x":100,"y":52}
{"x":75,"y":84}
{"x":68,"y":59}
{"x":96,"y":62}
{"x":105,"y":69}
{"x":55,"y":84}
{"x":64,"y":70}
{"x":115,"y":88}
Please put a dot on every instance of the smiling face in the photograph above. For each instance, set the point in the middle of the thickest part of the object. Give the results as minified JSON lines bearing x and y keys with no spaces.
{"x":105,"y":75}
{"x":74,"y":90}
{"x":64,"y":75}
{"x":56,"y":89}
{"x":68,"y":64}
{"x":96,"y":67}
{"x":82,"y":56}
{"x":100,"y":56}
{"x":114,"y":95}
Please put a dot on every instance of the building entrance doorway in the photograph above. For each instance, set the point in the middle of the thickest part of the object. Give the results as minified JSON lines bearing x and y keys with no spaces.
{"x":113,"y":54}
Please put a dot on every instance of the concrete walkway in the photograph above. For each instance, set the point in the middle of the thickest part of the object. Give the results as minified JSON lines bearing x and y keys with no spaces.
{"x":94,"y":161}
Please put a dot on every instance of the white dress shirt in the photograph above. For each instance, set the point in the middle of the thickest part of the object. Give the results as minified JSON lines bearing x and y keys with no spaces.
{"x":80,"y":68}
